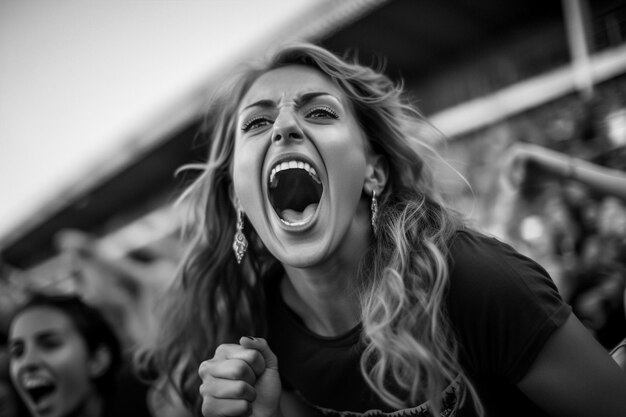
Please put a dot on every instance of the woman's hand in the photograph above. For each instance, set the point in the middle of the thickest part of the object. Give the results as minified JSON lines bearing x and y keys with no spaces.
{"x":241,"y":380}
{"x":514,"y":165}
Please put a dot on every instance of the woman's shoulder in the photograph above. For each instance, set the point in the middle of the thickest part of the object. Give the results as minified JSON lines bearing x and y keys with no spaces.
{"x":467,"y":239}
{"x":472,"y":252}
{"x":485,"y":268}
{"x":498,"y":295}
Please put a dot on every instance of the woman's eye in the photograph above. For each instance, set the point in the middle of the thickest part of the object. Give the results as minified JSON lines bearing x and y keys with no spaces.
{"x":16,"y":351}
{"x":255,"y":123}
{"x":50,"y":343}
{"x":322,"y":112}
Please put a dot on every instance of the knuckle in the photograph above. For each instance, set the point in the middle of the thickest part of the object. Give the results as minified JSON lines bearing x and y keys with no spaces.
{"x":240,"y":407}
{"x":206,"y":390}
{"x":208,"y":406}
{"x":239,"y":389}
{"x":238,"y":370}
{"x":224,"y":349}
{"x":203,"y":368}
{"x":255,"y":355}
{"x":220,"y":349}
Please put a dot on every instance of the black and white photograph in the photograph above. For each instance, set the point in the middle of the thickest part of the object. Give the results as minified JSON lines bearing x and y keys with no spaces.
{"x":313,"y":208}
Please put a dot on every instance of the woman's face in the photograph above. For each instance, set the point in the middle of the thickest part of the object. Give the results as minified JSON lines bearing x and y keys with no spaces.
{"x":50,"y":363}
{"x":300,"y":163}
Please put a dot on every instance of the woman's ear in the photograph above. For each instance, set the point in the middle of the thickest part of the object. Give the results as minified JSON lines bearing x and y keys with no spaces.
{"x":100,"y":362}
{"x":376,"y":174}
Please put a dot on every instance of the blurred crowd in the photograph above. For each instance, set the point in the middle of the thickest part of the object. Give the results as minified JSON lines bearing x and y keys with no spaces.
{"x":565,"y":204}
{"x":581,"y":237}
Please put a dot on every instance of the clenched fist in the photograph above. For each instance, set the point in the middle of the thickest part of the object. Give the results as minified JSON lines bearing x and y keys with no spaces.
{"x":241,"y":380}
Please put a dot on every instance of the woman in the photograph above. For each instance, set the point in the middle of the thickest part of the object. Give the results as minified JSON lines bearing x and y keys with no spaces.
{"x":361,"y":292}
{"x":65,"y":360}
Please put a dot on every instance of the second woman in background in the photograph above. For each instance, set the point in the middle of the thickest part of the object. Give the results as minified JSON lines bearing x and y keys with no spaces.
{"x":66,"y":361}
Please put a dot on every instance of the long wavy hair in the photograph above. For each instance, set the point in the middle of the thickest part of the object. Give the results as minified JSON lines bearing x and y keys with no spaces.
{"x":402,"y":285}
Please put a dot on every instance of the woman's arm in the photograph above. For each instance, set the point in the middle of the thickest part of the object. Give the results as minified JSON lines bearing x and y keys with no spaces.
{"x":600,"y":179}
{"x":574,"y":376}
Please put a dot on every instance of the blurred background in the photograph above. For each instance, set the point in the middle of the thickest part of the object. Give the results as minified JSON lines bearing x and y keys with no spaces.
{"x":101,"y":101}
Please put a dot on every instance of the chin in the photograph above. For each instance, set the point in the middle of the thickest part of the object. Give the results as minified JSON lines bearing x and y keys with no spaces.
{"x":300,"y":256}
{"x":299,"y":261}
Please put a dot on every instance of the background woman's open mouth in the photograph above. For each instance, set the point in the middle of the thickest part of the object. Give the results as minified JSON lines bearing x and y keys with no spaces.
{"x":295,"y":191}
{"x":40,"y":391}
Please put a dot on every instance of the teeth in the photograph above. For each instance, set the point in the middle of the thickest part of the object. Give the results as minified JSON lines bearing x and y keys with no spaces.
{"x":34,"y":382}
{"x":293,"y":165}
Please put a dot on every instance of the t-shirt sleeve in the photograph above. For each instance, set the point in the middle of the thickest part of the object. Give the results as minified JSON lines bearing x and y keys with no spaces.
{"x":502,"y":305}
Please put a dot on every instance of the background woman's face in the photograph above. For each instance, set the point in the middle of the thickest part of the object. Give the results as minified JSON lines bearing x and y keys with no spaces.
{"x":49,"y":362}
{"x":299,"y":165}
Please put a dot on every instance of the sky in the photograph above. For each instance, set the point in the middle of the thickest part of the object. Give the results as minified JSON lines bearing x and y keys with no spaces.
{"x":79,"y":77}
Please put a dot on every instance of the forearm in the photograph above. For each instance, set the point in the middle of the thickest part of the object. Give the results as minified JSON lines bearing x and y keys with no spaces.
{"x":601,"y":179}
{"x":604,"y":180}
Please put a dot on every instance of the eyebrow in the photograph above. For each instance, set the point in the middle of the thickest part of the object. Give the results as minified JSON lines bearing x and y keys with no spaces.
{"x":300,"y":100}
{"x":42,"y":334}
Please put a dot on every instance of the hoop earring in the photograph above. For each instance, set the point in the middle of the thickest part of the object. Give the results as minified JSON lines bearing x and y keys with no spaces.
{"x":240,"y":243}
{"x":374,"y":210}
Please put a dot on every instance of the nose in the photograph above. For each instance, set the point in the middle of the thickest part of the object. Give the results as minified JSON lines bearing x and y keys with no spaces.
{"x":286,"y":127}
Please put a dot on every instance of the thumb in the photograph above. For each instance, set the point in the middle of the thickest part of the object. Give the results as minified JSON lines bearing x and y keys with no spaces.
{"x":260,"y":344}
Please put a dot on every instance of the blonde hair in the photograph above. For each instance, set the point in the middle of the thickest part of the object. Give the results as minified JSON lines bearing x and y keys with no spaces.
{"x":402,"y":284}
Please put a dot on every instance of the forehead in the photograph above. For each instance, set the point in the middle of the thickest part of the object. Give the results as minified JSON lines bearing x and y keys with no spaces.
{"x":288,"y":82}
{"x":39,"y":319}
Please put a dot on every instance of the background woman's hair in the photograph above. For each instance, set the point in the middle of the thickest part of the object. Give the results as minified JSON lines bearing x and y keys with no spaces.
{"x":92,"y":326}
{"x":402,"y":291}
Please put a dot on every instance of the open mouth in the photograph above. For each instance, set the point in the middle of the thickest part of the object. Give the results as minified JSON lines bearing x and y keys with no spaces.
{"x":295,"y":191}
{"x":39,"y":389}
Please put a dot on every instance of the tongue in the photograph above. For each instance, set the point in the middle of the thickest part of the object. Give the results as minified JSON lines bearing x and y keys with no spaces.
{"x":45,"y":401}
{"x":293,"y":216}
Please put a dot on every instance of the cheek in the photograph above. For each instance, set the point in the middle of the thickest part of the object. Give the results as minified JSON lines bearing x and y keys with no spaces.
{"x":241,"y":164}
{"x":13,"y":369}
{"x":243,"y":179}
{"x":247,"y":165}
{"x":73,"y":364}
{"x":75,"y":382}
{"x":346,"y":160}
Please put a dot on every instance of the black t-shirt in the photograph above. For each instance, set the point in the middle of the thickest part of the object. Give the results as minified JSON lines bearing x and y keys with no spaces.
{"x":502,"y":306}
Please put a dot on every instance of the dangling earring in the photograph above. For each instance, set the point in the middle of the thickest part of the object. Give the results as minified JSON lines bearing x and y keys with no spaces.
{"x":240,"y":244}
{"x":374,"y":210}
